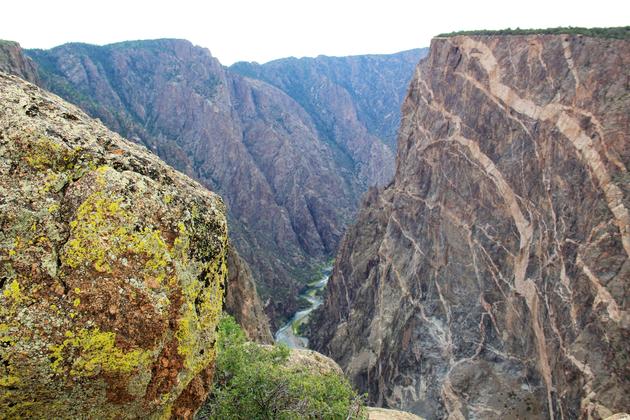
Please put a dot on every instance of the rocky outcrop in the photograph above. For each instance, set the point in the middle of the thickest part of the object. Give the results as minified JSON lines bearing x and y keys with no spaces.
{"x":317,"y":363}
{"x":490,"y":279}
{"x":242,"y":301}
{"x":111,"y":269}
{"x":313,"y":362}
{"x":290,"y":187}
{"x":375,"y":413}
{"x":13,"y":61}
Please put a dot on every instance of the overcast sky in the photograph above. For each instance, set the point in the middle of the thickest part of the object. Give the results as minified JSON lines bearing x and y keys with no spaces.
{"x":262,"y":30}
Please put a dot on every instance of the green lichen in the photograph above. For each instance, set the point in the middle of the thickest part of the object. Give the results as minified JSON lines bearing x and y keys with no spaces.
{"x":98,"y":229}
{"x":6,"y":339}
{"x":57,"y":163}
{"x":89,"y":352}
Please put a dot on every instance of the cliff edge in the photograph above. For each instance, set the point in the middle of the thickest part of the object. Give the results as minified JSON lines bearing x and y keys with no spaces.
{"x":490,"y":279}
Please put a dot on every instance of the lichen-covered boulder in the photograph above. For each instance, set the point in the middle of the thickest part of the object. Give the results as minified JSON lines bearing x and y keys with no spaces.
{"x":111,"y":269}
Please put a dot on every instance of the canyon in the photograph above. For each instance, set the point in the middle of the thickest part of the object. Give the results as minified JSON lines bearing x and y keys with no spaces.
{"x":490,"y":279}
{"x":483,"y":275}
{"x":290,"y":145}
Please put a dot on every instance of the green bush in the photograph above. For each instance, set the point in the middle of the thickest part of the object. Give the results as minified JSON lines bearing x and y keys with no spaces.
{"x":622,"y":32}
{"x":255,"y":382}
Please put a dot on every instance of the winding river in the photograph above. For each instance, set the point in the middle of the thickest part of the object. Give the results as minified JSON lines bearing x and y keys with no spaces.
{"x":288,"y":333}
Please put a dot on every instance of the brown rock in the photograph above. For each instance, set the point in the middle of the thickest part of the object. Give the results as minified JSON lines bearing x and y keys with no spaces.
{"x":242,"y":301}
{"x":313,"y":362}
{"x":13,"y":61}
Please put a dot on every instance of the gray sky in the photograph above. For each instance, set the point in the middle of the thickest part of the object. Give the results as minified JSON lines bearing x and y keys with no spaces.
{"x":262,"y":30}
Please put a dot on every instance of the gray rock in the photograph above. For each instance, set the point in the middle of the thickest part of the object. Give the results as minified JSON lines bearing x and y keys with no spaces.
{"x":490,"y":280}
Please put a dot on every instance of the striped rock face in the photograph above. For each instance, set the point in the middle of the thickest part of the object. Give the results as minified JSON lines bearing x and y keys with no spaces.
{"x":111,"y":269}
{"x":490,"y":280}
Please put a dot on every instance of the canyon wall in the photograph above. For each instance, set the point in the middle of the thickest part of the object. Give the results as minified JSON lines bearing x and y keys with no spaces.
{"x":490,"y":278}
{"x":13,"y":61}
{"x":354,"y":102}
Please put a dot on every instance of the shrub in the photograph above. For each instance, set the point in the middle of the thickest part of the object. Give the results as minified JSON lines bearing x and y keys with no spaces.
{"x":255,"y":382}
{"x":622,"y":32}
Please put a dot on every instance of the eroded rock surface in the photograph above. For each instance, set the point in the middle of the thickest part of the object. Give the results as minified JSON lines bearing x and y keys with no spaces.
{"x":490,"y":280}
{"x":111,"y":269}
{"x":242,"y":301}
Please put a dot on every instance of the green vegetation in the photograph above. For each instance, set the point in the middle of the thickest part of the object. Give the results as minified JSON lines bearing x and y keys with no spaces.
{"x":256,"y":382}
{"x":303,"y":303}
{"x":621,"y":32}
{"x":6,"y":42}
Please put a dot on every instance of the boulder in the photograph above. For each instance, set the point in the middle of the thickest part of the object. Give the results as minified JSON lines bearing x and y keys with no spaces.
{"x":111,"y":269}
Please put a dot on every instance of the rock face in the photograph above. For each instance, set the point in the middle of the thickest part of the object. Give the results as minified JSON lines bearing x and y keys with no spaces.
{"x":353,"y":101}
{"x":242,"y":301}
{"x":290,"y":187}
{"x":13,"y":61}
{"x":490,"y":279}
{"x":111,"y":269}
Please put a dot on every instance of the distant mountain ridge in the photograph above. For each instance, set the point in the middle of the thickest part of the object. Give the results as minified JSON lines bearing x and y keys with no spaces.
{"x":290,"y":170}
{"x":354,"y":101}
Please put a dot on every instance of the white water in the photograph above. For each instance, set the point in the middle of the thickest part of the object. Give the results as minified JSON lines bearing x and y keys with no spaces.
{"x":285,"y":334}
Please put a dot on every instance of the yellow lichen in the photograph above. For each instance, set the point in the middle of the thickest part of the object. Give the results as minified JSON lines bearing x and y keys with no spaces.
{"x":48,"y":154}
{"x":181,"y":243}
{"x":5,"y":337}
{"x":201,"y":314}
{"x":150,"y":243}
{"x":102,"y":231}
{"x":9,"y":380}
{"x":13,"y":291}
{"x":89,"y":352}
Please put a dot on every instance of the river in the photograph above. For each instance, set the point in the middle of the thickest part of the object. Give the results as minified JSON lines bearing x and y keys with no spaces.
{"x":313,"y":294}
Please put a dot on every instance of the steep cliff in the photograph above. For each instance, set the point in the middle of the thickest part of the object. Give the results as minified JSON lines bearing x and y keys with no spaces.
{"x":290,"y":189}
{"x":242,"y":300}
{"x":490,"y":279}
{"x":14,"y":61}
{"x":112,"y":267}
{"x":354,"y":102}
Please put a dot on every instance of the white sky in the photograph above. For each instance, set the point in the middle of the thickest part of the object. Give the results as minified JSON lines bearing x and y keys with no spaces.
{"x":259,"y":30}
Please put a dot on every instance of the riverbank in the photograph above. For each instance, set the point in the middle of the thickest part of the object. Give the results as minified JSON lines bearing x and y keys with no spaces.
{"x":288,"y":333}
